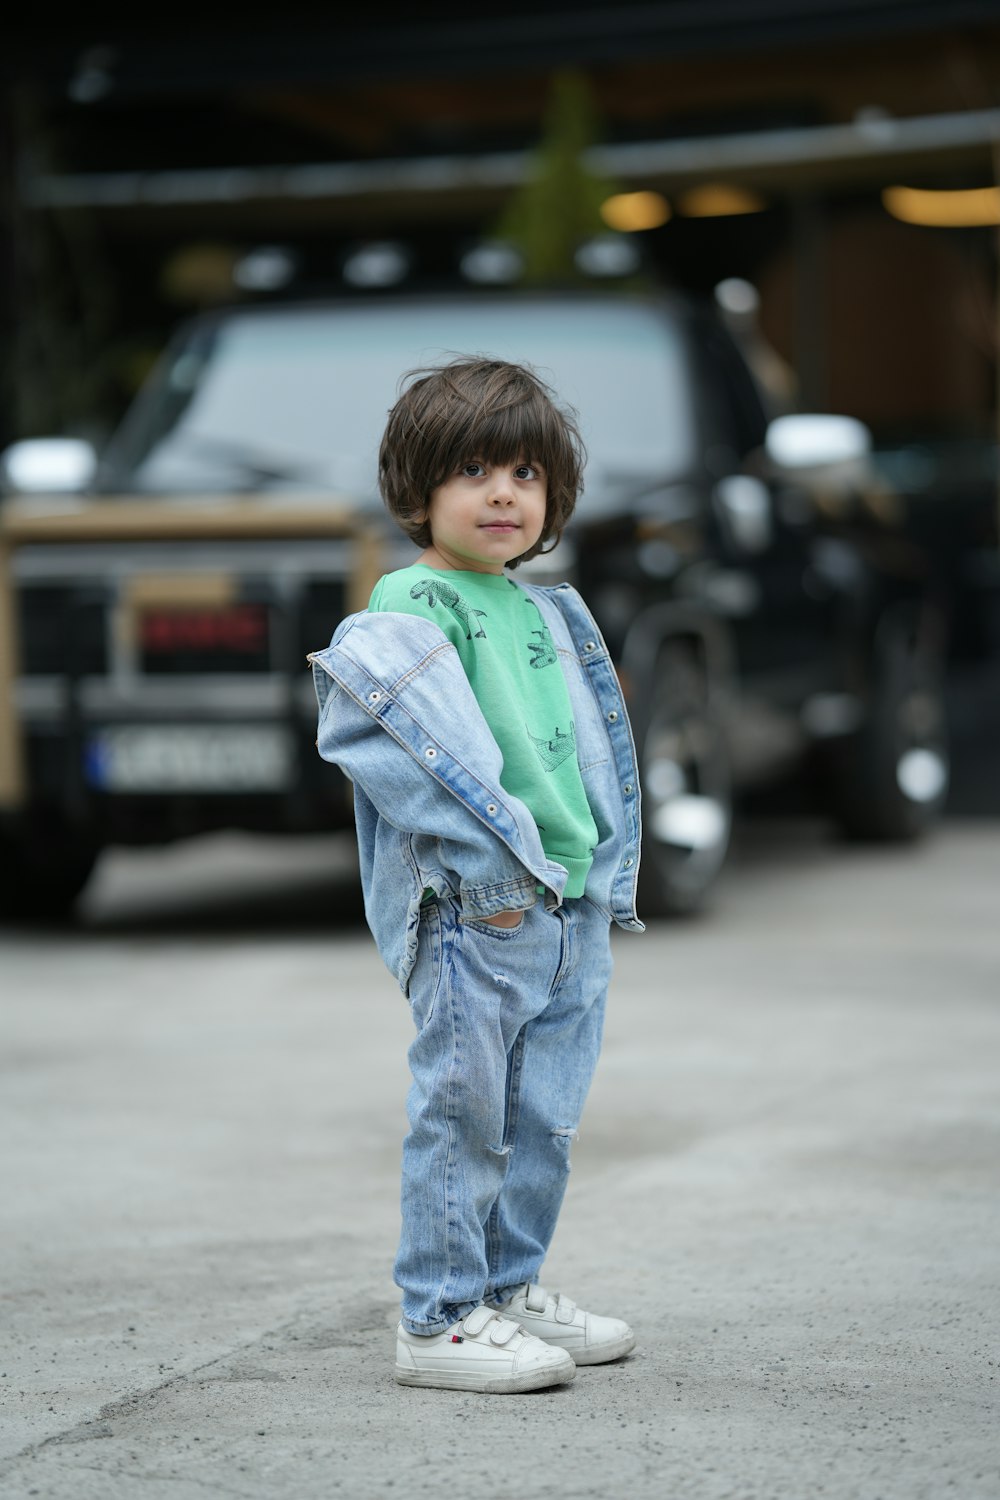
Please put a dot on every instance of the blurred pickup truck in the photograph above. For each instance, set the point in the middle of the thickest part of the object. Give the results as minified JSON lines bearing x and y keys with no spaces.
{"x":754,"y":577}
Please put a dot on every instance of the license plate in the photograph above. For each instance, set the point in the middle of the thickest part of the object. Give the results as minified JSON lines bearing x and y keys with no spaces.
{"x":190,"y":758}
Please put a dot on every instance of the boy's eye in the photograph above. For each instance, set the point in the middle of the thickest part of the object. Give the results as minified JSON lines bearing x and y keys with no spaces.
{"x":474,"y":469}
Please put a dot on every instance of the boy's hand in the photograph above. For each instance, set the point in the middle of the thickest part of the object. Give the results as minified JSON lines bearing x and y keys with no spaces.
{"x":505,"y":919}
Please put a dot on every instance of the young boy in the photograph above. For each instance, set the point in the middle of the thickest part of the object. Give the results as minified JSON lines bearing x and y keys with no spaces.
{"x":497,"y":807}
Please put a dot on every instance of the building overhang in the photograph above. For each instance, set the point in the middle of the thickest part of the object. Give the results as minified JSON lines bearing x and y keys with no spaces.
{"x":789,"y":160}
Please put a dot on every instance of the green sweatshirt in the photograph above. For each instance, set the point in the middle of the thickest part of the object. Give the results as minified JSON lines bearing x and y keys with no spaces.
{"x":511,"y":663}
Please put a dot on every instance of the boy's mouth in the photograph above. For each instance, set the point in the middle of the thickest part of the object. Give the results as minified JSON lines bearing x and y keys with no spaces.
{"x":499,"y":526}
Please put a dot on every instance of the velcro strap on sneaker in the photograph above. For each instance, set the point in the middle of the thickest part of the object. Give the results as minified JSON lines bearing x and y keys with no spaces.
{"x":503,"y":1331}
{"x":565,"y":1309}
{"x":477,"y":1319}
{"x":536,"y":1299}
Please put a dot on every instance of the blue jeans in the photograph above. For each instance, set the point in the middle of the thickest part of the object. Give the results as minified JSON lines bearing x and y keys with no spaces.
{"x":509,"y":1024}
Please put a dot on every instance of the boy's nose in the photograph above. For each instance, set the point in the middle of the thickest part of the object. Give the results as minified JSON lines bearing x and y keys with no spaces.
{"x":501,"y":489}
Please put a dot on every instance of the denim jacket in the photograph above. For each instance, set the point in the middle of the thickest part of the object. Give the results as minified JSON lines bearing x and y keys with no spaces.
{"x":431,"y":813}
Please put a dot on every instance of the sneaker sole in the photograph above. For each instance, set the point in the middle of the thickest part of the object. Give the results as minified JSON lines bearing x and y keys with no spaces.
{"x":498,"y":1385}
{"x":600,"y":1354}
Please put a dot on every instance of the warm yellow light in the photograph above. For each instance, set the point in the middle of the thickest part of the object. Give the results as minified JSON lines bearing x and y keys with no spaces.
{"x":715,"y":200}
{"x":964,"y":208}
{"x":627,"y":212}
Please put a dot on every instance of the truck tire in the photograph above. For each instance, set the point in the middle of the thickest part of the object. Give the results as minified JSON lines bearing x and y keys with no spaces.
{"x":893,"y":782}
{"x":43,"y":869}
{"x":686,"y":787}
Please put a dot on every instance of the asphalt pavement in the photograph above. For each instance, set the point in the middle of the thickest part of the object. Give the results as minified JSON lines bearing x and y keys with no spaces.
{"x":786,"y":1180}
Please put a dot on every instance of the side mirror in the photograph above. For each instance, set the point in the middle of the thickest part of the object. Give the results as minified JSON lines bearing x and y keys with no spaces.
{"x":48,"y":466}
{"x":744,"y":503}
{"x":816,"y":441}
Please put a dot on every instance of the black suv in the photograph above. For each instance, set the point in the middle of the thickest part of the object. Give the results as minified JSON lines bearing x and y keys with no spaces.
{"x":756,"y":582}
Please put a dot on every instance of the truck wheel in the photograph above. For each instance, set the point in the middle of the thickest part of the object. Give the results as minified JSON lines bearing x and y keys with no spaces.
{"x":893,"y":782}
{"x":686,"y":788}
{"x":43,"y":869}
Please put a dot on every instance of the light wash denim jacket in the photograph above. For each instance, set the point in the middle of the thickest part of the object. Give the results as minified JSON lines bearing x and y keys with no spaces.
{"x":431,"y":813}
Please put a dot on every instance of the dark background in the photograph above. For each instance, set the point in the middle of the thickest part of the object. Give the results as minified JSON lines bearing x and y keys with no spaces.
{"x":145,"y":155}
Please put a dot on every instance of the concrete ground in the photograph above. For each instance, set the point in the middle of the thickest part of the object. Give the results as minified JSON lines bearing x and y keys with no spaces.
{"x":787,"y":1180}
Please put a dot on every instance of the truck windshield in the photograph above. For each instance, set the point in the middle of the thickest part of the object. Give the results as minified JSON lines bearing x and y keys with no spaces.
{"x":296,"y":399}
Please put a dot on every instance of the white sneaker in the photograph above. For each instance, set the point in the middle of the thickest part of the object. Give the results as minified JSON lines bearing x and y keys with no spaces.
{"x":483,"y":1352}
{"x":590,"y":1339}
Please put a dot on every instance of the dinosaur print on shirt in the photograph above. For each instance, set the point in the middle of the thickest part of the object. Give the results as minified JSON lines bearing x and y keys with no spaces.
{"x":433,"y":590}
{"x":553,"y":752}
{"x":544,"y":653}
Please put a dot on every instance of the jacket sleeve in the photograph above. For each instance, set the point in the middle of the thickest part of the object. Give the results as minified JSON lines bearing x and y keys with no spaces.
{"x":486,"y":840}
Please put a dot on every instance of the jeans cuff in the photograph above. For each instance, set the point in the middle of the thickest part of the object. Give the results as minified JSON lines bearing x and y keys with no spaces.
{"x":428,"y":1330}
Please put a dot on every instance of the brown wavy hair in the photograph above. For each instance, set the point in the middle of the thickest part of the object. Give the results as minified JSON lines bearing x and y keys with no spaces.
{"x":477,"y":408}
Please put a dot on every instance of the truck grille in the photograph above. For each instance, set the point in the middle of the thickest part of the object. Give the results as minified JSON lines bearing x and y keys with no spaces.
{"x":70,"y":630}
{"x":322,"y":608}
{"x":62,"y":630}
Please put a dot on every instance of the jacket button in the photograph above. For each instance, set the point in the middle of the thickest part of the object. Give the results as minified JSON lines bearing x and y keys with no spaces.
{"x":590,"y":645}
{"x":613,"y":715}
{"x":629,"y":863}
{"x":430,"y":752}
{"x":374,"y":697}
{"x":491,"y":808}
{"x":627,"y":789}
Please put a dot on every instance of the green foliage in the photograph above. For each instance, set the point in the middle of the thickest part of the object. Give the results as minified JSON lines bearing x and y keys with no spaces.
{"x":559,"y":205}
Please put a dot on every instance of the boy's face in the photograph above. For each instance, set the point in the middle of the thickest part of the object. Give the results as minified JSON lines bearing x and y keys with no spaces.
{"x":484,"y":515}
